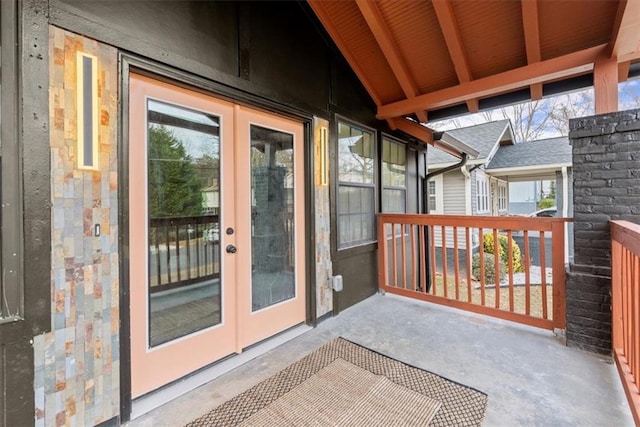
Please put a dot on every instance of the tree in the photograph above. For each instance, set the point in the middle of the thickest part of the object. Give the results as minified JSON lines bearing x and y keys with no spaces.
{"x":174,"y":187}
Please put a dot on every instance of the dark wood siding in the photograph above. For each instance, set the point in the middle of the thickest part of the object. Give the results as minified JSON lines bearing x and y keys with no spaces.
{"x":26,"y":93}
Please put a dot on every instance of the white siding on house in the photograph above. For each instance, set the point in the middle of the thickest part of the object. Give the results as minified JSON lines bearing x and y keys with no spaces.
{"x":454,"y":194}
{"x":454,"y":201}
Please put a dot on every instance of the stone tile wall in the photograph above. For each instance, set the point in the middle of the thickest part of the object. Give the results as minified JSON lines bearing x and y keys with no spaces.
{"x":77,"y":364}
{"x":324,"y":270}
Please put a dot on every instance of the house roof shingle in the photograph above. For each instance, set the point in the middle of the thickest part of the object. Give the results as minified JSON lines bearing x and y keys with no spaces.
{"x":543,"y":152}
{"x":482,"y":137}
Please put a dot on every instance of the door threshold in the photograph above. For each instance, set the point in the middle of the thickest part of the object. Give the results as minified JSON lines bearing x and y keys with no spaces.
{"x":153,"y":400}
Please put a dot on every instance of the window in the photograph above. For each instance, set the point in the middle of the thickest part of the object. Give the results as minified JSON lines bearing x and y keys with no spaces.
{"x":10,"y":286}
{"x":502,"y":196}
{"x":394,"y":177}
{"x":482,"y":188}
{"x":356,"y":185}
{"x":433,"y":205}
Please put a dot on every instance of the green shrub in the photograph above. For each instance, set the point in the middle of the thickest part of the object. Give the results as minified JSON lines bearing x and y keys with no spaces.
{"x":546,"y":203}
{"x":503,"y":250}
{"x":489,"y":268}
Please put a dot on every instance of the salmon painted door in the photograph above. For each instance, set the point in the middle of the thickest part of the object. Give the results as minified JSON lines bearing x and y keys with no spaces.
{"x":181,"y":178}
{"x":216,"y":230}
{"x":270,"y":220}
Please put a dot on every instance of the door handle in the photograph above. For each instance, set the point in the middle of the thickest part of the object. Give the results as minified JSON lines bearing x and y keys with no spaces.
{"x":231,"y":249}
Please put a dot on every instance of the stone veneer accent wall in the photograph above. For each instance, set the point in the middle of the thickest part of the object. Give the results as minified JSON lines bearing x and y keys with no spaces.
{"x":77,"y":364}
{"x":324,"y":269}
{"x":606,"y":159}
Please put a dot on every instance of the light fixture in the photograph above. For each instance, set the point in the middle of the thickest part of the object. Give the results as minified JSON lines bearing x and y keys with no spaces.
{"x":324,"y":146}
{"x":87,"y":111}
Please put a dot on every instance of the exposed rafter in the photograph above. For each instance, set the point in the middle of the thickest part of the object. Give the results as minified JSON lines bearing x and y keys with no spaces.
{"x":556,"y":68}
{"x":449,"y":28}
{"x":532,"y":40}
{"x":390,"y":49}
{"x":625,"y":39}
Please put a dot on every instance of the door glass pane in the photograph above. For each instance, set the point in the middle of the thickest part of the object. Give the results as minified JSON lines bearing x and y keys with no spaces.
{"x":184,"y":228}
{"x":272,"y":217}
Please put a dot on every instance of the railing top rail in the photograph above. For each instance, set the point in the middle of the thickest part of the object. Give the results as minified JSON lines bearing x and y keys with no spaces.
{"x":626,"y":233}
{"x":500,"y":222}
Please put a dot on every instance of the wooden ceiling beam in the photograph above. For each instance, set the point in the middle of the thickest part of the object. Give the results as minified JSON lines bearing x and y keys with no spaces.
{"x":531,"y":28}
{"x":423,"y":134}
{"x":625,"y":38}
{"x":551,"y":69}
{"x":390,"y":49}
{"x":451,"y":33}
{"x":623,"y":71}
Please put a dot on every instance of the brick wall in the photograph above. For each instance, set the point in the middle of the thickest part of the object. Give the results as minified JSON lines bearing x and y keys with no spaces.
{"x":606,"y":186}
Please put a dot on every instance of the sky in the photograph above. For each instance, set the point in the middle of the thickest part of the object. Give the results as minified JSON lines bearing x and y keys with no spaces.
{"x":549,"y":116}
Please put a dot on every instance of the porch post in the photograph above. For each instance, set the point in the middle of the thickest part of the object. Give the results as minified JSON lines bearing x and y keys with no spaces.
{"x":606,"y":185}
{"x":605,"y":85}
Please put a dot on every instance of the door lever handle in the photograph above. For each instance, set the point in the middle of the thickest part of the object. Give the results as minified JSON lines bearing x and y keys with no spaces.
{"x":231,"y":249}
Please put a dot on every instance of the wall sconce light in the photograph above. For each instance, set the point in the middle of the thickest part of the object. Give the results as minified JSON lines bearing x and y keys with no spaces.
{"x":324,"y":154}
{"x":87,"y":111}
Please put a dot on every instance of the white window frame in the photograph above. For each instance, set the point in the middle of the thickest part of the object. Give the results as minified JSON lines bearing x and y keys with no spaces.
{"x":482,"y":193}
{"x":438,"y":195}
{"x":502,"y":196}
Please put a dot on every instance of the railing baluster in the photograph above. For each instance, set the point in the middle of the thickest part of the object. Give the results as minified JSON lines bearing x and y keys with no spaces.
{"x":456,"y":261}
{"x":423,"y":255}
{"x":482,"y":269}
{"x":543,"y":275}
{"x":468,"y":261}
{"x":178,"y":251}
{"x":496,"y":264}
{"x":167,"y":243}
{"x":394,"y":257}
{"x":558,"y":275}
{"x":510,"y":267}
{"x":414,"y":266}
{"x":527,"y":274}
{"x":432,"y":258}
{"x":404,"y":255}
{"x":445,"y":281}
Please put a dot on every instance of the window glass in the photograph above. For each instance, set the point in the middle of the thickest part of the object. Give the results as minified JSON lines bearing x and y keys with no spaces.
{"x":356,"y":185}
{"x":394,"y":176}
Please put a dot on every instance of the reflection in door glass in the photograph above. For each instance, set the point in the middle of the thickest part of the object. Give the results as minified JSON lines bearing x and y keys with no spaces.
{"x":184,"y":228}
{"x":272,"y":217}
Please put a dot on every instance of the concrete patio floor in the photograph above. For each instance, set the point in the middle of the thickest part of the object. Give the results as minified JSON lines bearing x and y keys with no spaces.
{"x":531,"y":378}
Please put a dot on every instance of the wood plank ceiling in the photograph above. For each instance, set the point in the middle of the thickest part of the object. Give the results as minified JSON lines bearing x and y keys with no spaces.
{"x":417,"y":57}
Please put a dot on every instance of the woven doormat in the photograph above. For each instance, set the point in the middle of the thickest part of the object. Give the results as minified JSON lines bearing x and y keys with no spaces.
{"x":345,"y":384}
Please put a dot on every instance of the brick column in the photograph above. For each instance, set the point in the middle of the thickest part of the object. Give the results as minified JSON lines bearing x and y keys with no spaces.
{"x":606,"y":184}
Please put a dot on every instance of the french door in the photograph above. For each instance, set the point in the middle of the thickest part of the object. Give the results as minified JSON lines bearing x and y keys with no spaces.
{"x":216,"y":207}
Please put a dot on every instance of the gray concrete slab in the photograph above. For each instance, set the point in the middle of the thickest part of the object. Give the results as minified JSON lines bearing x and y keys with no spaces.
{"x":531,"y":378}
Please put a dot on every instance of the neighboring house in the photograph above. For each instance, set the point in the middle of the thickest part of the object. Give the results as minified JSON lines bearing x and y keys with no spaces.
{"x":469,"y":190}
{"x":481,"y":186}
{"x":534,"y":161}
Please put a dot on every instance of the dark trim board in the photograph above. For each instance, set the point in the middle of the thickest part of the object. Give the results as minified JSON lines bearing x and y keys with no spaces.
{"x":25,"y":112}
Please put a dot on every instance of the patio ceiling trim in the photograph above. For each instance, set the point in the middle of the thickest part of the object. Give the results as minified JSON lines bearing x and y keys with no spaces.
{"x":447,"y":143}
{"x":451,"y":33}
{"x":532,"y":40}
{"x":556,"y":68}
{"x":390,"y":50}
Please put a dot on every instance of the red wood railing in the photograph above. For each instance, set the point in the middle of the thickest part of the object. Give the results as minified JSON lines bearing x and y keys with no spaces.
{"x":625,"y":306}
{"x":444,"y":259}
